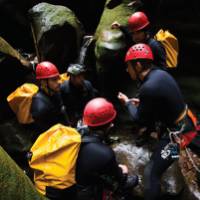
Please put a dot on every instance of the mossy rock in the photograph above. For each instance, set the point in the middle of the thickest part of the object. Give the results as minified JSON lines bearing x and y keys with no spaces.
{"x":14,"y":184}
{"x":120,"y":12}
{"x":46,"y":16}
{"x":58,"y":33}
{"x":16,"y":139}
{"x":109,"y":46}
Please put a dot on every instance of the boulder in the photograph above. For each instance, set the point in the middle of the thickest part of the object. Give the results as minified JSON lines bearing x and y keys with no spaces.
{"x":58,"y":33}
{"x":14,"y":183}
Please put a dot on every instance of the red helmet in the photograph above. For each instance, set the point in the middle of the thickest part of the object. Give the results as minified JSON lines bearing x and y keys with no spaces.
{"x":98,"y":112}
{"x":139,"y":51}
{"x":137,"y":21}
{"x":46,"y":70}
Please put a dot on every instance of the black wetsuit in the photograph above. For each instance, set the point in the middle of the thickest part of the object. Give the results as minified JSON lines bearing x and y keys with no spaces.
{"x":75,"y":98}
{"x":157,"y":48}
{"x":47,"y":111}
{"x":160,"y":102}
{"x":95,"y":161}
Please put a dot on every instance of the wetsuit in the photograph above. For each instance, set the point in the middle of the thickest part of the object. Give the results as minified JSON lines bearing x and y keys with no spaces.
{"x":75,"y":98}
{"x":161,"y":103}
{"x":47,"y":111}
{"x":94,"y":161}
{"x":156,"y":47}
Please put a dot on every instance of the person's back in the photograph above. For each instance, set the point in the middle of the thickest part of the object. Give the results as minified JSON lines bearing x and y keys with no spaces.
{"x":96,"y":161}
{"x":160,"y":106}
{"x":159,"y":94}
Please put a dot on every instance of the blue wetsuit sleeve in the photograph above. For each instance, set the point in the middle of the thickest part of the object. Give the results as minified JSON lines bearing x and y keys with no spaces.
{"x":132,"y":109}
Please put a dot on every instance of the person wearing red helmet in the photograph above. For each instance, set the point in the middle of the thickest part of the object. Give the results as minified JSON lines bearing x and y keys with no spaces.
{"x":138,"y":32}
{"x":96,"y":159}
{"x":47,"y":106}
{"x":160,"y":106}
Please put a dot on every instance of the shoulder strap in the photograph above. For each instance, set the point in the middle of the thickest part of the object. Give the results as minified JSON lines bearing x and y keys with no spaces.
{"x":89,"y":139}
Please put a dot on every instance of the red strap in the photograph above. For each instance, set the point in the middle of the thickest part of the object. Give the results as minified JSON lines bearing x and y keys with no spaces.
{"x":198,"y":127}
{"x":187,"y":138}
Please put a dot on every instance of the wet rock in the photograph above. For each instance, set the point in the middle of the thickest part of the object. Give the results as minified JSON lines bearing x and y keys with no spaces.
{"x":16,"y":140}
{"x":14,"y":183}
{"x":58,"y":33}
{"x":136,"y":159}
{"x":119,"y":11}
{"x":189,"y":163}
{"x":109,"y":53}
{"x":108,"y":47}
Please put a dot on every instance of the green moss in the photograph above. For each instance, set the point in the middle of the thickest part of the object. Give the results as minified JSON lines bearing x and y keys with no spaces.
{"x":119,"y":13}
{"x":46,"y":16}
{"x":14,"y":184}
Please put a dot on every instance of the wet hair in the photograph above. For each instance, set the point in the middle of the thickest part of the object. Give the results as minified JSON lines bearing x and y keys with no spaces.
{"x":146,"y":64}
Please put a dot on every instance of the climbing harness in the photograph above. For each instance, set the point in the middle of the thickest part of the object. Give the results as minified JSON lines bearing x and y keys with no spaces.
{"x":172,"y":149}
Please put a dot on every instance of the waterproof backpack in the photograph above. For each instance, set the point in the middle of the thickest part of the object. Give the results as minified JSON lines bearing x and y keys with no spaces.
{"x":21,"y":99}
{"x":53,"y":158}
{"x":170,"y":43}
{"x":20,"y":102}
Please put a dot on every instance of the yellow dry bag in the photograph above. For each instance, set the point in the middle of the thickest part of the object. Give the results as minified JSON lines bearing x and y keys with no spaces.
{"x":54,"y":157}
{"x":170,"y":43}
{"x":21,"y":99}
{"x":20,"y":102}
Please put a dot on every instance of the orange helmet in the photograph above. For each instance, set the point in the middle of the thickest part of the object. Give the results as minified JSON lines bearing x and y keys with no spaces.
{"x":98,"y":112}
{"x":137,"y":21}
{"x":46,"y":70}
{"x":139,"y":51}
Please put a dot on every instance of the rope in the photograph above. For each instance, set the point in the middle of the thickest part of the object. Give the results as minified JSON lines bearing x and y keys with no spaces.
{"x":192,"y":161}
{"x":175,"y":134}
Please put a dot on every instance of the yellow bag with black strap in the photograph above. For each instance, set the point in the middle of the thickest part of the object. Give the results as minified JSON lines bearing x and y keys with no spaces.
{"x":170,"y":43}
{"x":53,"y":158}
{"x":20,"y":102}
